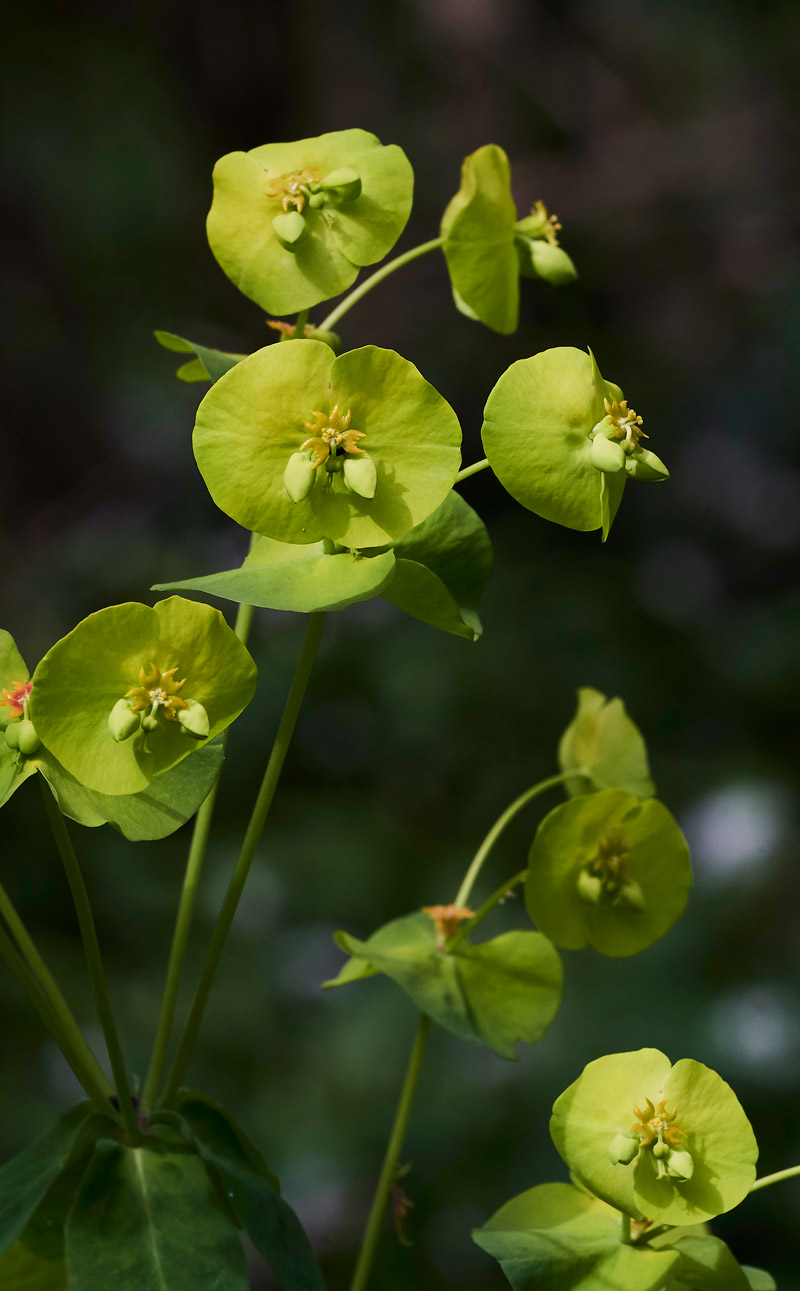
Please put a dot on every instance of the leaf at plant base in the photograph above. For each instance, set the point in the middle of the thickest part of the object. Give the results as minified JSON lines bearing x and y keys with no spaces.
{"x":249,"y":1189}
{"x":495,"y":993}
{"x":633,"y":853}
{"x":150,"y":1217}
{"x":25,"y":1179}
{"x":536,"y":435}
{"x":253,"y":420}
{"x":21,"y":1270}
{"x":714,"y":1131}
{"x":555,"y":1238}
{"x":453,"y":549}
{"x":84,"y":675}
{"x":478,"y":232}
{"x":168,"y":802}
{"x":252,"y":188}
{"x":606,"y":747}
{"x":299,"y":578}
{"x":707,"y":1264}
{"x":208,"y":365}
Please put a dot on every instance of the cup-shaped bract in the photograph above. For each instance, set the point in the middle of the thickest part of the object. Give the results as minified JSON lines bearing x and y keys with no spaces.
{"x":487,"y":248}
{"x":541,"y":423}
{"x":297,"y":398}
{"x":286,"y":236}
{"x":15,"y":690}
{"x":157,"y":660}
{"x":685,"y":1111}
{"x":609,"y":871}
{"x":604,"y":748}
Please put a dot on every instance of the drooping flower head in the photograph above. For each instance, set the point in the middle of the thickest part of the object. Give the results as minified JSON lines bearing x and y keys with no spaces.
{"x":298,"y":445}
{"x":292,"y":223}
{"x":486,"y":247}
{"x":132,"y":690}
{"x":667,"y":1143}
{"x":563,"y":441}
{"x":608,"y":870}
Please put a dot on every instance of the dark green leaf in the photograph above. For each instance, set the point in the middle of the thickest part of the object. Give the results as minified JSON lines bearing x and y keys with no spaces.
{"x":209,"y":365}
{"x":21,"y":1270}
{"x":215,"y":1129}
{"x":708,"y":1265}
{"x":25,"y":1179}
{"x":417,"y":591}
{"x":150,"y":1218}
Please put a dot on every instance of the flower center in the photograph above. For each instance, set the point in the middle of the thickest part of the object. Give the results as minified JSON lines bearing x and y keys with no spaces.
{"x":293,"y":189}
{"x":550,"y":223}
{"x":447,"y":918}
{"x":625,"y":422}
{"x":157,"y":690}
{"x":16,"y":697}
{"x":331,"y":432}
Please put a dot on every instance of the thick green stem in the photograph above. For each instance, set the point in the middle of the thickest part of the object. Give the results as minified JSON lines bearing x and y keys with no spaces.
{"x":98,"y":1090}
{"x":94,"y":963}
{"x":366,"y":286}
{"x":498,"y":827}
{"x":183,"y":922}
{"x":472,"y":470}
{"x":626,"y":1230}
{"x":389,"y":1170}
{"x":300,"y":325}
{"x":90,"y":1067}
{"x":252,"y":838}
{"x":768,"y":1179}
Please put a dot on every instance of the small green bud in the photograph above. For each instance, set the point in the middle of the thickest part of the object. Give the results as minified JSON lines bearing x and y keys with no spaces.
{"x":661,"y":1149}
{"x":551,"y":263}
{"x":631,"y":896}
{"x":299,"y":476}
{"x":194,"y":720}
{"x":360,"y":475}
{"x":289,"y":228}
{"x":316,"y":200}
{"x":644,"y":465}
{"x":590,"y":887}
{"x":28,"y":740}
{"x":623,"y":1148}
{"x":607,"y":454}
{"x":343,"y":185}
{"x":680,"y":1164}
{"x":150,"y":722}
{"x":12,"y":735}
{"x":122,"y":722}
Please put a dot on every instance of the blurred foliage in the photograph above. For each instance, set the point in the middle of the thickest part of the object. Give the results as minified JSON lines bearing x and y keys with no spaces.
{"x":661,"y":133}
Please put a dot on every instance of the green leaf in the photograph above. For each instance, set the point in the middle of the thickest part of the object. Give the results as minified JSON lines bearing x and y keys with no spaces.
{"x":21,"y":1270}
{"x":340,"y":235}
{"x":84,"y":675}
{"x":495,"y":993}
{"x":253,"y":420}
{"x":478,"y":229}
{"x":289,"y":576}
{"x":536,"y":435}
{"x":555,"y":1238}
{"x":155,"y":812}
{"x":715,"y":1132}
{"x":706,"y":1262}
{"x":150,"y":1217}
{"x":626,"y":848}
{"x":14,"y":766}
{"x":453,"y":550}
{"x":209,"y":365}
{"x":25,"y":1179}
{"x":216,"y":1130}
{"x":604,"y":745}
{"x":758,"y":1280}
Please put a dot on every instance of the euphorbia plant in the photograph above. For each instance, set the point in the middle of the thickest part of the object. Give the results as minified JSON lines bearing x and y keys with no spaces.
{"x":341,"y":463}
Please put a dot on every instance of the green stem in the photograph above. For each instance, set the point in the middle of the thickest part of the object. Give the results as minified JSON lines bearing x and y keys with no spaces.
{"x":300,"y":325}
{"x":359,"y":292}
{"x":94,"y":963}
{"x":96,"y":1089}
{"x":498,"y":827}
{"x":497,"y":895}
{"x":389,"y":1169}
{"x":626,"y":1230}
{"x":252,"y":838}
{"x":768,"y":1179}
{"x":92,"y":1071}
{"x":183,"y":922}
{"x":472,"y":470}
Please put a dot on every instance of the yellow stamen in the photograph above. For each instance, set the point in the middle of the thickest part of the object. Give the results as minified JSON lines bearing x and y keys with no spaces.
{"x":292,"y":188}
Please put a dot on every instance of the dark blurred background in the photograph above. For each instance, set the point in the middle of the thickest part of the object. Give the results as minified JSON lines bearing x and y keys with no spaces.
{"x":664,"y":135}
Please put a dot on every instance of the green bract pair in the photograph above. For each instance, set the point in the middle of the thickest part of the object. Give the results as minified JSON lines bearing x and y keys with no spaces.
{"x":563,"y":441}
{"x":486,"y":247}
{"x":292,"y":223}
{"x":120,"y":701}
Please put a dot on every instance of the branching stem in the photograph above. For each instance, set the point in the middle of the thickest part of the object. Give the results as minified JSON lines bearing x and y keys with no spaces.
{"x":366,"y":286}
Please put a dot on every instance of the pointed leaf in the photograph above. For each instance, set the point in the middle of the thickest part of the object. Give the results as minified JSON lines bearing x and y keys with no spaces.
{"x":209,"y":364}
{"x":708,"y":1265}
{"x":25,"y":1179}
{"x":150,"y":1217}
{"x":215,"y":1129}
{"x":419,"y":592}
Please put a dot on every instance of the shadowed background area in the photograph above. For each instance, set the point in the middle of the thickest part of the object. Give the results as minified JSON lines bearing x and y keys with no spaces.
{"x":662,"y":134}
